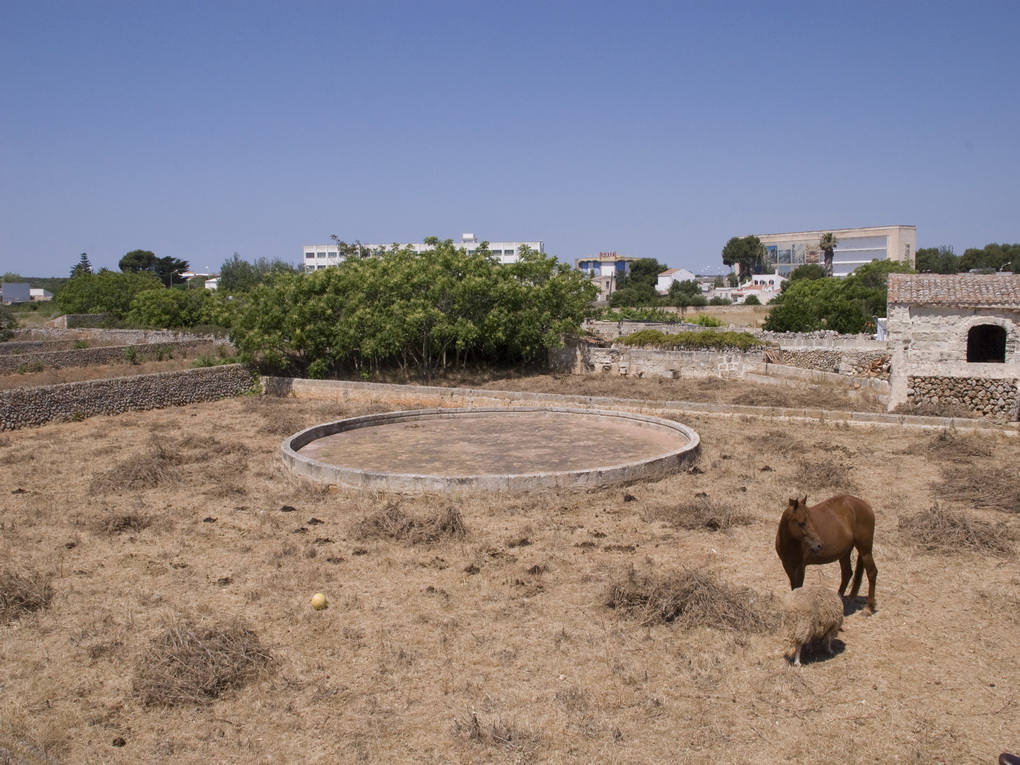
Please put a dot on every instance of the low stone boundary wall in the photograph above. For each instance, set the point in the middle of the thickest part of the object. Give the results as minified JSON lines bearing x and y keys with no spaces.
{"x":90,"y":357}
{"x":14,"y":347}
{"x":992,"y":398}
{"x":821,"y":339}
{"x":420,"y":397}
{"x":113,"y":336}
{"x":583,"y":358}
{"x":29,"y":407}
{"x":840,"y":361}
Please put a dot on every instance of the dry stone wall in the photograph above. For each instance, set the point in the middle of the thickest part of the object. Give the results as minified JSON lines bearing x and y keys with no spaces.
{"x":992,"y":398}
{"x":582,"y":358}
{"x":839,"y":361}
{"x":88,"y":357}
{"x":29,"y":407}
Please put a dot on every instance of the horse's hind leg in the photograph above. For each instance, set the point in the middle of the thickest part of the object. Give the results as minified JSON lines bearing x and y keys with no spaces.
{"x":846,"y":570}
{"x":858,"y":574}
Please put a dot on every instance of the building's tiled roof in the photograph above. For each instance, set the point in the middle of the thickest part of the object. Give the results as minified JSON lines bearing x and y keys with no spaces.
{"x":961,"y":290}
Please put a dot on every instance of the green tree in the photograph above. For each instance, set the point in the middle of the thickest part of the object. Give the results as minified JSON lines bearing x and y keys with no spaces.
{"x":689,"y":287}
{"x":992,"y":257}
{"x":747,"y":254}
{"x":239,"y":275}
{"x":83,"y":266}
{"x":827,"y":244}
{"x":633,"y":296}
{"x":807,"y":271}
{"x":168,"y":270}
{"x":169,"y":309}
{"x":139,"y":261}
{"x":936,"y":260}
{"x":752,"y":300}
{"x":106,"y":292}
{"x":846,"y":305}
{"x":421,"y":311}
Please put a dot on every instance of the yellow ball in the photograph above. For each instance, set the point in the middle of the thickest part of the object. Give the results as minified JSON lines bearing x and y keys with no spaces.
{"x":319,"y":601}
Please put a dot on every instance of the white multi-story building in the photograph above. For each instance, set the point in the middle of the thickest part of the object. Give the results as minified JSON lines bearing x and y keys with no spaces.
{"x":854,"y":247}
{"x":318,"y":256}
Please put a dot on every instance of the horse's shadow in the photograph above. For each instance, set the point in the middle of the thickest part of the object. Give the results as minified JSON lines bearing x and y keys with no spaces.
{"x":852,"y":605}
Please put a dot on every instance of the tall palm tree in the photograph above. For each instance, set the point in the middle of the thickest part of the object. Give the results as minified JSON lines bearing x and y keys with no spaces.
{"x":827,"y":244}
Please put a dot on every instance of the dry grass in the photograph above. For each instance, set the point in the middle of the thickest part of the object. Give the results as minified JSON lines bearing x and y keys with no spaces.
{"x":496,"y":646}
{"x":702,"y":513}
{"x":187,"y":664}
{"x":393,"y":523}
{"x":155,"y":465}
{"x":941,"y":531}
{"x":23,"y":593}
{"x":690,"y":598}
{"x":952,"y":446}
{"x":994,"y":487}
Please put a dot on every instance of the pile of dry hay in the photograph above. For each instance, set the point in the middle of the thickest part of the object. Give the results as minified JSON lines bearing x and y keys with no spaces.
{"x":393,"y":523}
{"x":187,"y":664}
{"x":691,"y":599}
{"x":941,"y":531}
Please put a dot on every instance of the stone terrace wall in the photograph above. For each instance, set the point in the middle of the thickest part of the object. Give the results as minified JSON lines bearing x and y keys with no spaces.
{"x":840,"y":361}
{"x":581,"y":358}
{"x":15,"y":347}
{"x":821,"y":339}
{"x":88,"y":357}
{"x":999,"y":399}
{"x":115,"y":336}
{"x":29,"y":407}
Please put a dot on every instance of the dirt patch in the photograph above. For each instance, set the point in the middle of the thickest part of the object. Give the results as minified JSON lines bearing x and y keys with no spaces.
{"x":496,"y":645}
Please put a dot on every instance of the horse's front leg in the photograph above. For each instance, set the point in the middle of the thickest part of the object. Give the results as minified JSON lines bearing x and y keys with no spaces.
{"x":846,"y":572}
{"x":796,"y":573}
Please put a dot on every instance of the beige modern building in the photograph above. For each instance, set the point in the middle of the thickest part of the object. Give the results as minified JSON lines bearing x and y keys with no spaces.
{"x":854,"y":247}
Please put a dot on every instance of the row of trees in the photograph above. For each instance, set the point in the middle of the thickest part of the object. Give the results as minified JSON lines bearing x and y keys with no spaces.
{"x":991,"y":257}
{"x":403,"y":309}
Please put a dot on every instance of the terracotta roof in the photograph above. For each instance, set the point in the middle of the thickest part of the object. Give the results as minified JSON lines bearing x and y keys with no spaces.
{"x":961,"y":290}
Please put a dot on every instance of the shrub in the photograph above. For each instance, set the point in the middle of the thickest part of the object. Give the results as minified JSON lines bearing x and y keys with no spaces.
{"x":7,"y":323}
{"x":707,"y":320}
{"x":752,"y":300}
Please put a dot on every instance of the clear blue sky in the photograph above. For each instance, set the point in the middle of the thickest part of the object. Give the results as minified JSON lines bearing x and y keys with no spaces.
{"x":653,"y":129}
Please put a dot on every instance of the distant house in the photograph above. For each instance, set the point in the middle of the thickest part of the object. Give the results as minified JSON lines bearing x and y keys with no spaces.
{"x":763,"y":286}
{"x":667,"y":278}
{"x":39,"y":295}
{"x":955,"y":339}
{"x":15,"y":292}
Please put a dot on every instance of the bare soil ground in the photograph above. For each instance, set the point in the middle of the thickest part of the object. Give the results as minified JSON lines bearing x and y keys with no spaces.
{"x":156,"y":571}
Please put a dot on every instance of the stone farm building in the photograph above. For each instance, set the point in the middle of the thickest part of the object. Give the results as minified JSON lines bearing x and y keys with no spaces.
{"x":955,"y":339}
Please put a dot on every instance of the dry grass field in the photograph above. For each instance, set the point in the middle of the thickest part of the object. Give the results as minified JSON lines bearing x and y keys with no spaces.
{"x":156,"y":571}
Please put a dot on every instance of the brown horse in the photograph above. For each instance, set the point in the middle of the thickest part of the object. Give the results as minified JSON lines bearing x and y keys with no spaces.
{"x":828,"y":532}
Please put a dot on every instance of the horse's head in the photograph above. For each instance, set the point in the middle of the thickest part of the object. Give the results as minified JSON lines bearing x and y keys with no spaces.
{"x":800,"y":525}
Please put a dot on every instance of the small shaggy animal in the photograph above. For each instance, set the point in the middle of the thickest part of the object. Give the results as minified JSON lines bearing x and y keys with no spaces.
{"x":810,"y":613}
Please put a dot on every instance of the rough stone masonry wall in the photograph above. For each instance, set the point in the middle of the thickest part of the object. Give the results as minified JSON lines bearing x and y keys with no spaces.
{"x":845,"y":362}
{"x":88,"y":357}
{"x":29,"y":407}
{"x":582,"y":358}
{"x":992,"y":398}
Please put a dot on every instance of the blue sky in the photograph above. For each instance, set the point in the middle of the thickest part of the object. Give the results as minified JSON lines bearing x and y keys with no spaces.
{"x":652,"y":129}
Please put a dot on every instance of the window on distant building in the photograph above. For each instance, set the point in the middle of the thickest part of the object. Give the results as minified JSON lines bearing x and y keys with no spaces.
{"x":986,"y":343}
